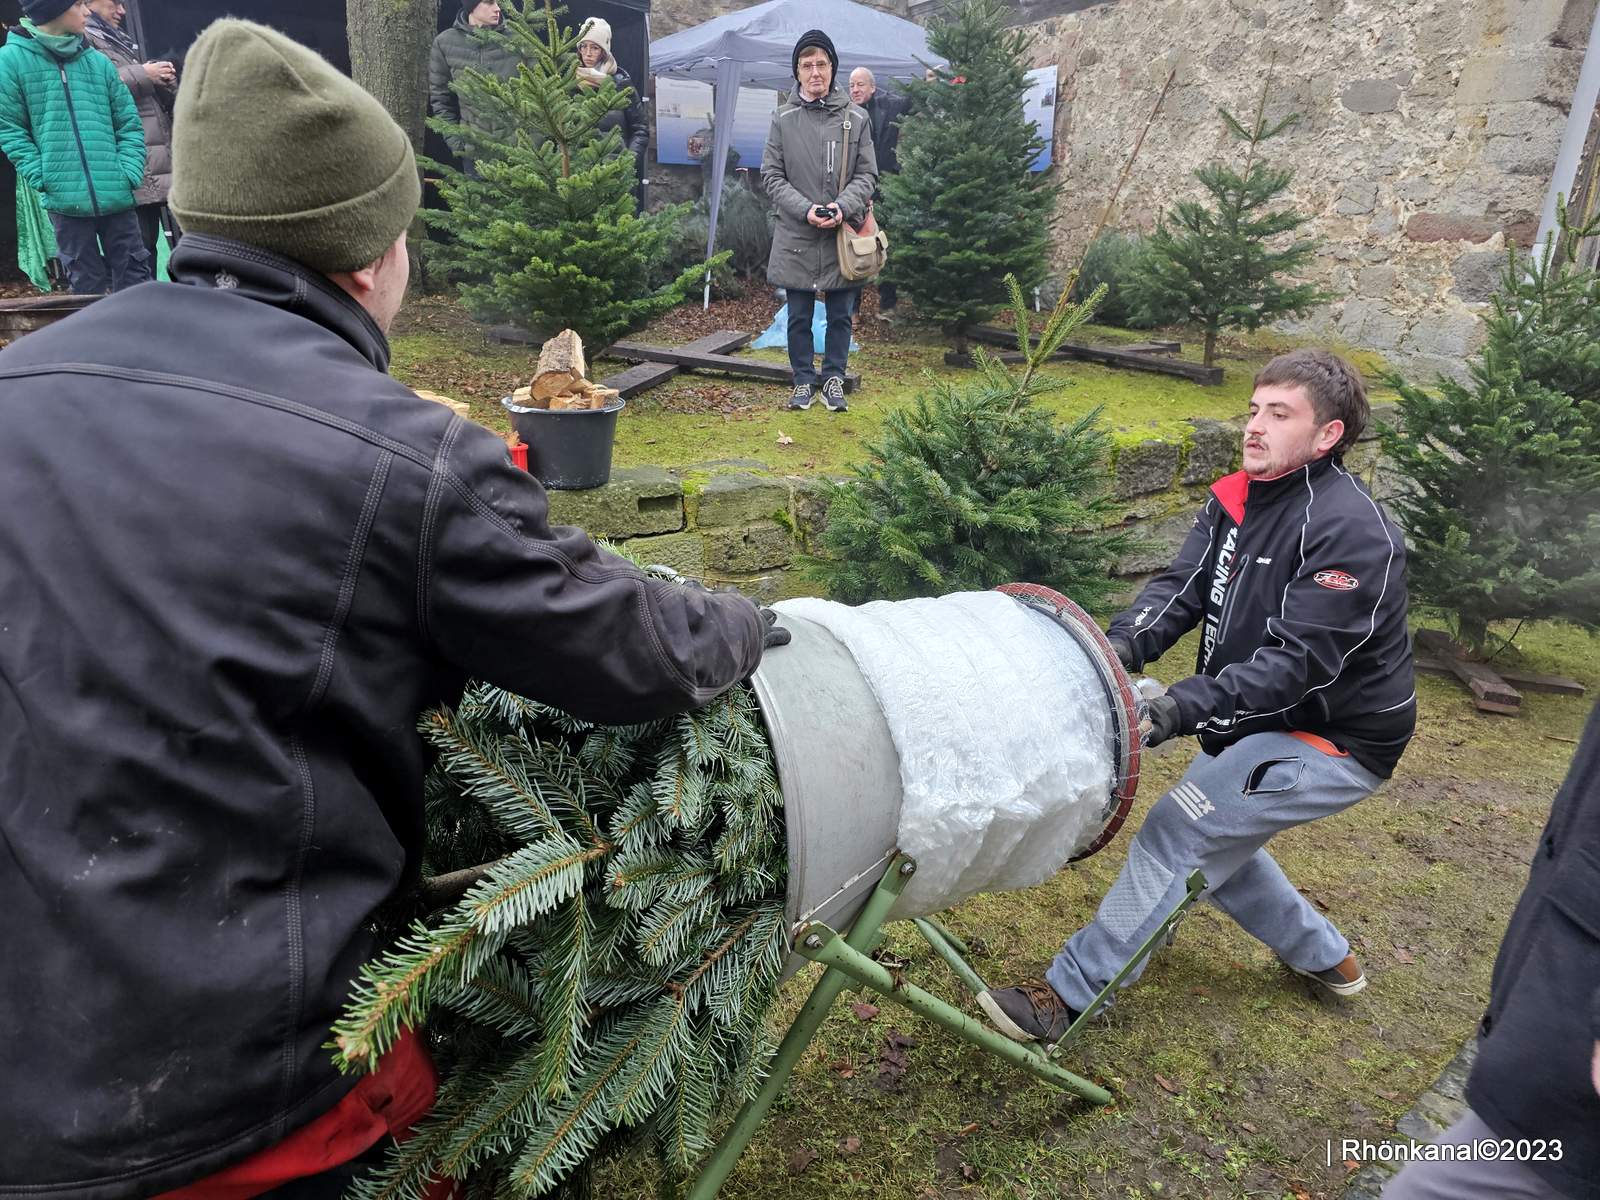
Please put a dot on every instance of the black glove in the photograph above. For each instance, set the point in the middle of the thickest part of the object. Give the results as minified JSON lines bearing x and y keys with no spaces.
{"x":775,"y":635}
{"x":1124,"y":652}
{"x":1164,"y":720}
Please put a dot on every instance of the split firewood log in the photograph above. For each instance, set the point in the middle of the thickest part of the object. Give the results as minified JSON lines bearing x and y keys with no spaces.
{"x":561,"y":365}
{"x":459,"y":407}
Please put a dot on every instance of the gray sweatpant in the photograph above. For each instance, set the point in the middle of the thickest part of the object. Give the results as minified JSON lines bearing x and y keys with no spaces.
{"x":1483,"y":1179}
{"x":1217,"y":819}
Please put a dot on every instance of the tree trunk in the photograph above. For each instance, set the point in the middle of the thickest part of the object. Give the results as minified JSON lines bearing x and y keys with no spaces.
{"x":389,"y":44}
{"x":1211,"y":347}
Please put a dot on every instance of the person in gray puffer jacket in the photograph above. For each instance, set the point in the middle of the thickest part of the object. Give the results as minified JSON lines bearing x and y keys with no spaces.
{"x":461,"y":46}
{"x":800,"y":170}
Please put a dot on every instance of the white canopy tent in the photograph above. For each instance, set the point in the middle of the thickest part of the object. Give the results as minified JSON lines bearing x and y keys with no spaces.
{"x":754,"y":46}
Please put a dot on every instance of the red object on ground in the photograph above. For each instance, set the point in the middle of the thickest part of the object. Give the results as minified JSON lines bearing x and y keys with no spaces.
{"x":519,"y":454}
{"x":389,"y":1101}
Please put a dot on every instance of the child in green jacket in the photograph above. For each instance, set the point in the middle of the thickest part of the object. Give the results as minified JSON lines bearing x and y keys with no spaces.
{"x":73,"y":132}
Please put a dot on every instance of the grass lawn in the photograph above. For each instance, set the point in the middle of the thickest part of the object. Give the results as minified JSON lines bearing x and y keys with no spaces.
{"x":698,"y":419}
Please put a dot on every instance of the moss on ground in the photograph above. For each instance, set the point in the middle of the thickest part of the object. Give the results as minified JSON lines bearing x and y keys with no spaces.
{"x":1229,"y":1075}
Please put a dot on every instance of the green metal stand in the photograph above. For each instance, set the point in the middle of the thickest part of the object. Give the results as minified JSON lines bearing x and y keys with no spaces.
{"x":848,"y":963}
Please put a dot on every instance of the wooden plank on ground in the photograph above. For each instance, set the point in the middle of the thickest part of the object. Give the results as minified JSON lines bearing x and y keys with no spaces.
{"x":646,"y":375}
{"x":998,"y":335}
{"x":1490,"y":692}
{"x":1135,"y":358}
{"x":1524,"y":681}
{"x":689,"y":359}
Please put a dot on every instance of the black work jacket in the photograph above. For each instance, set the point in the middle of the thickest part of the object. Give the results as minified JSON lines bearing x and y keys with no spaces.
{"x":630,"y":122}
{"x":237,"y":561}
{"x":1532,"y":1075}
{"x":1298,"y":584}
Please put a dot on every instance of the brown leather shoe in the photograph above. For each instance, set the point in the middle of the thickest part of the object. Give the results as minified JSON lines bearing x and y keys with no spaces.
{"x":1029,"y":1012}
{"x":1343,"y":979}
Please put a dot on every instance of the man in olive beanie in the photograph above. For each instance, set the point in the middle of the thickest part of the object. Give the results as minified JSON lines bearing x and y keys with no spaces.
{"x":220,"y":630}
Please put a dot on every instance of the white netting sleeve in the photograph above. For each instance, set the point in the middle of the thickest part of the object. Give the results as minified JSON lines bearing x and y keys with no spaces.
{"x":1003,"y":732}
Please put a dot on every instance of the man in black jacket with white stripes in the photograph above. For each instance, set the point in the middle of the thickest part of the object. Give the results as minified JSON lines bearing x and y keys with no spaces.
{"x":1302,"y":696}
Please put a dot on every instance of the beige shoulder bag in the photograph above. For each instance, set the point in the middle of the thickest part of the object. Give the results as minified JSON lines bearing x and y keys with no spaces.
{"x":864,"y":249}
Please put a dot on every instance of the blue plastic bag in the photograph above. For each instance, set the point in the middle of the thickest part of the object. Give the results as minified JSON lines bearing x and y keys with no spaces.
{"x":777,"y":334}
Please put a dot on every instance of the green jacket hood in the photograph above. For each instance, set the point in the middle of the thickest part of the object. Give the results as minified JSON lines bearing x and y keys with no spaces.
{"x":22,"y":37}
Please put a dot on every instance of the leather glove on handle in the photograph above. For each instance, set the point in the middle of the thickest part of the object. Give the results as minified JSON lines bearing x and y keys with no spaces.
{"x":775,"y":634}
{"x":1162,"y":713}
{"x":1124,"y":654}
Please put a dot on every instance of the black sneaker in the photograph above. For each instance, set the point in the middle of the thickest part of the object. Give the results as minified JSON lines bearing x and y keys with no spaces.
{"x":833,"y":395}
{"x":1029,"y":1012}
{"x":802,"y":396}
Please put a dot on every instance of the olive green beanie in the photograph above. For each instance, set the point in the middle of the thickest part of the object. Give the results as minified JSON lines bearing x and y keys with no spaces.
{"x":273,"y":147}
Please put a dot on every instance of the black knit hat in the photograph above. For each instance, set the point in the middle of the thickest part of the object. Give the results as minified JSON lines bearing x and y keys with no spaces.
{"x":814,"y":37}
{"x":42,"y":12}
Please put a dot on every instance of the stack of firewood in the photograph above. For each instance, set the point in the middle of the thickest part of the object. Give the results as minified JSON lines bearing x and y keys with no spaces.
{"x":561,"y":380}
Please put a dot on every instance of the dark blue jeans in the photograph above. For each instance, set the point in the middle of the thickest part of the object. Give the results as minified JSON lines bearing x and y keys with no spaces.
{"x":102,"y":254}
{"x":836,"y":344}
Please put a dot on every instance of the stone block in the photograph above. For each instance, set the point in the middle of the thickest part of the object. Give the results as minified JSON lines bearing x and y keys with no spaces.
{"x":1383,"y":225}
{"x":1159,"y":541}
{"x":737,"y":500}
{"x":808,"y":508}
{"x":1358,"y":196}
{"x":758,"y":546}
{"x":684,"y":552}
{"x":1531,"y":155}
{"x":1147,"y":467}
{"x":1451,"y":227}
{"x":1372,"y":96}
{"x":1416,"y":190}
{"x":1377,"y":281}
{"x":1546,"y":74}
{"x":1446,"y":335}
{"x":1212,"y":450}
{"x":638,"y":500}
{"x":1477,"y":274}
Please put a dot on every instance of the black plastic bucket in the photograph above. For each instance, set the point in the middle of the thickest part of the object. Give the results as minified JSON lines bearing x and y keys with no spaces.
{"x":568,"y":449}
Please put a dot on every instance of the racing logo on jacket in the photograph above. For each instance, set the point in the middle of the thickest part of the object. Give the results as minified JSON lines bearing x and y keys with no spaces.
{"x":1339,"y":581}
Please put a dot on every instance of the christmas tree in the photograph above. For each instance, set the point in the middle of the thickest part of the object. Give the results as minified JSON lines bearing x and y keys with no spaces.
{"x":1500,"y":476}
{"x":1212,"y":265}
{"x":965,"y":211}
{"x":546,"y":233}
{"x":972,"y":486}
{"x":608,"y":975}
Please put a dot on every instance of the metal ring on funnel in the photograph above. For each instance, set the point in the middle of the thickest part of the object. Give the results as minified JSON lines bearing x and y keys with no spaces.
{"x":1120,"y":696}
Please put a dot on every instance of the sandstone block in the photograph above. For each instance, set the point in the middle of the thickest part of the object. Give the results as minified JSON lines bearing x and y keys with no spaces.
{"x":684,"y":552}
{"x":1150,"y":466}
{"x":1211,"y":451}
{"x":1377,"y":281}
{"x":638,"y":500}
{"x":738,"y":500}
{"x":808,"y":507}
{"x":1160,"y":541}
{"x":758,"y":546}
{"x":1450,"y":227}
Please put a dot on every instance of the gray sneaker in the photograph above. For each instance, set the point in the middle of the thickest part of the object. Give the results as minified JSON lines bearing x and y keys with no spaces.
{"x":1344,"y":978}
{"x":802,"y":396}
{"x":833,"y":394}
{"x":1029,"y":1012}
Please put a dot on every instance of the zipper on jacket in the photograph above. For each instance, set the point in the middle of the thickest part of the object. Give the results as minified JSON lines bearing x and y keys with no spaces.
{"x":1227,"y":605}
{"x":77,"y":135}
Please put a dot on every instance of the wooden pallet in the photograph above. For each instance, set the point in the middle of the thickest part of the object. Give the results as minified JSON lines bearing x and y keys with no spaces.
{"x":1145,"y":356}
{"x":688,"y":358}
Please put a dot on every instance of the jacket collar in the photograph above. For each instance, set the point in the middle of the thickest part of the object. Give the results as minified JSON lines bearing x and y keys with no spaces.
{"x":837,"y":100}
{"x":1237,"y":491}
{"x":221,"y":264}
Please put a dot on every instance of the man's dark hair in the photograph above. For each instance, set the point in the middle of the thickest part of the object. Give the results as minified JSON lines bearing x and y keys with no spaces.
{"x":1337,"y":391}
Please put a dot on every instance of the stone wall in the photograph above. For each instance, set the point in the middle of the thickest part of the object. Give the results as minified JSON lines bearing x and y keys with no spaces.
{"x":745,"y":526}
{"x":1430,"y":130}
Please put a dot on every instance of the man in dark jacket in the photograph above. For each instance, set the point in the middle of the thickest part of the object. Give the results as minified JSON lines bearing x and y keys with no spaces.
{"x":217,"y":633}
{"x":1302,"y":697}
{"x":477,"y":41}
{"x":814,"y":190}
{"x":885,"y":112}
{"x":1535,"y":1081}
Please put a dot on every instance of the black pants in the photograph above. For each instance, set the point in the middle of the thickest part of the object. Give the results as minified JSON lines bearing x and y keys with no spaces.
{"x":887,"y":297}
{"x":154,"y":222}
{"x":836,"y":344}
{"x":102,"y":254}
